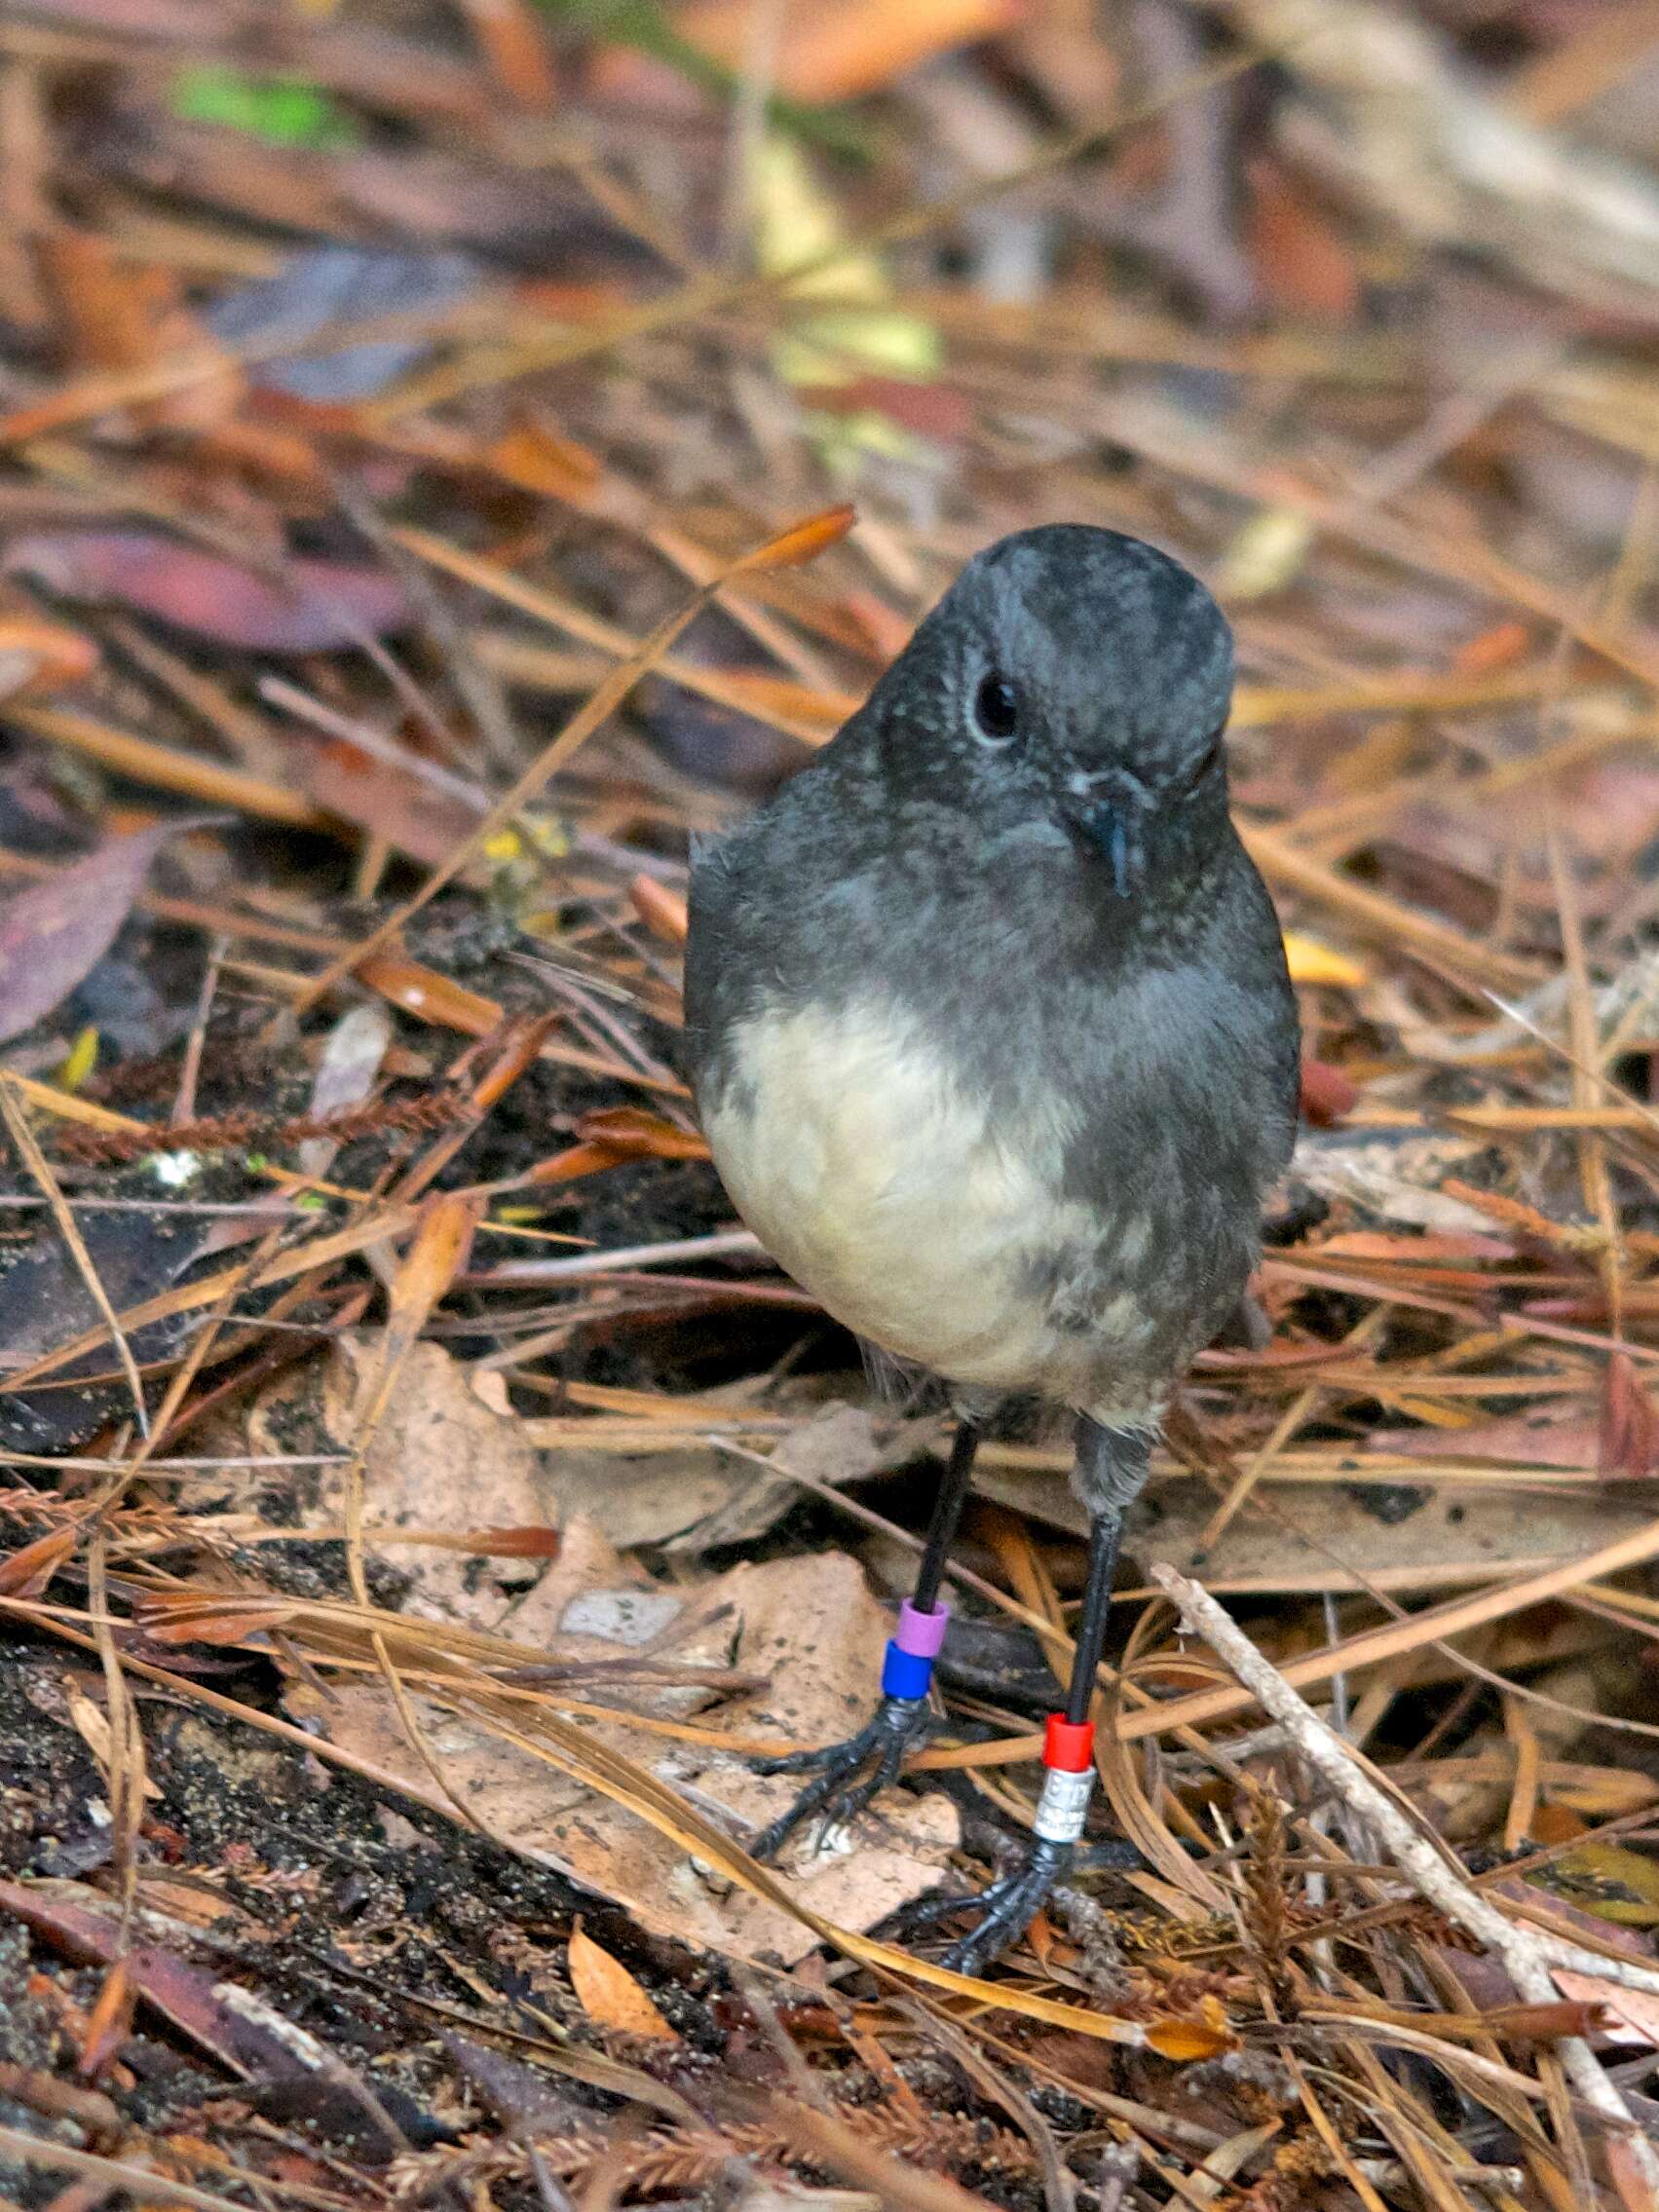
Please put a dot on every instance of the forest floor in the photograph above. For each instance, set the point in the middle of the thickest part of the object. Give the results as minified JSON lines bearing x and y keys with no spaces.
{"x":450,"y":456}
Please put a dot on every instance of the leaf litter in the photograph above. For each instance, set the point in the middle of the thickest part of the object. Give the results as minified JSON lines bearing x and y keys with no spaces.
{"x":435,"y":458}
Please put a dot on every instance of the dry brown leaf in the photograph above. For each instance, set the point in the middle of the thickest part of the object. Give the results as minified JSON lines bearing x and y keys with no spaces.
{"x":808,"y":1624}
{"x":429,"y":995}
{"x":690,"y":1495}
{"x":447,"y":1454}
{"x":436,"y":1253}
{"x":1629,"y":2016}
{"x":633,"y":1134}
{"x":1302,"y":260}
{"x":609,"y":1995}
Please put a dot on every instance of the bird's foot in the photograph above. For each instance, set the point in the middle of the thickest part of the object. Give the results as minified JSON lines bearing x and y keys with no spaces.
{"x":849,"y":1774}
{"x":1004,"y":1911}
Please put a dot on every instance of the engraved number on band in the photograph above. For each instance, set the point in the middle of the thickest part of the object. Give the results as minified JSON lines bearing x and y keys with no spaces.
{"x":1063,"y":1806}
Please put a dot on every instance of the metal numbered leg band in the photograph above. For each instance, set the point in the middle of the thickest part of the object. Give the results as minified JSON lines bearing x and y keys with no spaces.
{"x":1067,"y":1756}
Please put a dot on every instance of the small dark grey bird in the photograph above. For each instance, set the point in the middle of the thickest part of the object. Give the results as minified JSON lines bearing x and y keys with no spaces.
{"x":995,"y":1050}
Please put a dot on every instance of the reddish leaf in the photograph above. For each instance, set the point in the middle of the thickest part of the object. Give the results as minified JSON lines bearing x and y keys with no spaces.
{"x":539,"y":461}
{"x":55,"y":933}
{"x":1304,"y":266}
{"x":426,"y":994}
{"x":1499,"y":647}
{"x":1414,"y":1249}
{"x":574,"y":1162}
{"x":840,"y":49}
{"x":521,"y":1048}
{"x":167,"y":1620}
{"x":126,"y":313}
{"x":511,"y":40}
{"x":1519,"y":1437}
{"x":388,"y":802}
{"x":1326,"y":1092}
{"x":932,"y":410}
{"x":1629,"y":1440}
{"x":316,"y":605}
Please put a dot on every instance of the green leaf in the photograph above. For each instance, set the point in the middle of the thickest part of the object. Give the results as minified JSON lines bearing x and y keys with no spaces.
{"x":281,"y":109}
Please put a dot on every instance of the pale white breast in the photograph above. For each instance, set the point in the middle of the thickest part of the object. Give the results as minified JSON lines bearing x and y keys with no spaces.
{"x":852,"y":1152}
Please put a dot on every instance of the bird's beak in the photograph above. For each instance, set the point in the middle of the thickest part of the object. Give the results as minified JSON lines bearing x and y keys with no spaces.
{"x":1106,"y":827}
{"x":1107,"y":820}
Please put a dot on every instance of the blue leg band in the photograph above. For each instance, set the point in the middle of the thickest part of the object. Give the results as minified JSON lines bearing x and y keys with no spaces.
{"x":905,"y":1674}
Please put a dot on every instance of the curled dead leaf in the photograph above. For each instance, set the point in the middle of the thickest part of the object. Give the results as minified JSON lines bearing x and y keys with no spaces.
{"x":507,"y":1543}
{"x":609,"y":1995}
{"x":1630,"y":2015}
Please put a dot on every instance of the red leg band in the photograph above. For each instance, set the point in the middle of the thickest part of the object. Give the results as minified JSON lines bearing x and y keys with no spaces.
{"x":1069,"y":1744}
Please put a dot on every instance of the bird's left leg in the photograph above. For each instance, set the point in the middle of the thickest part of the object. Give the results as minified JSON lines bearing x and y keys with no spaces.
{"x":1110,"y":1471}
{"x":851,"y":1773}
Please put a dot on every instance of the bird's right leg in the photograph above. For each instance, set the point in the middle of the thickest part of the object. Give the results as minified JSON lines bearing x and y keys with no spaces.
{"x":851,"y":1773}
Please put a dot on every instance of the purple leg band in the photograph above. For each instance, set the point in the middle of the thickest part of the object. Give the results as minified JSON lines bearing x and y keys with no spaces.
{"x":922,"y":1633}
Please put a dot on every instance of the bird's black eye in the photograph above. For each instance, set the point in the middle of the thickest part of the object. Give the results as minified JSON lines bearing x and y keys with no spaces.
{"x":995,"y":710}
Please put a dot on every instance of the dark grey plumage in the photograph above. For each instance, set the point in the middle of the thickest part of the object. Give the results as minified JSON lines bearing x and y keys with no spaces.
{"x":995,"y":1050}
{"x":1140,"y":1049}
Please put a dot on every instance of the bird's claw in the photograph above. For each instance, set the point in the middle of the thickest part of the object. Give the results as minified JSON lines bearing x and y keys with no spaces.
{"x":876,"y":1754}
{"x":1005,"y":1910}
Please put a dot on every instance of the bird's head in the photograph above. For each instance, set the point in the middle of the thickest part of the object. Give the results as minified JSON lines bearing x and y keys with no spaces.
{"x":1070,"y":678}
